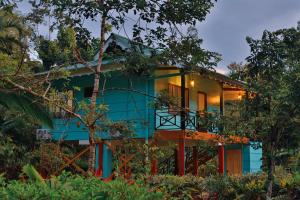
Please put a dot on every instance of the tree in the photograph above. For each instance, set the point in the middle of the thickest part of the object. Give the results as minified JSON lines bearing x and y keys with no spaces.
{"x":270,"y":111}
{"x":13,"y":35}
{"x":156,"y":25}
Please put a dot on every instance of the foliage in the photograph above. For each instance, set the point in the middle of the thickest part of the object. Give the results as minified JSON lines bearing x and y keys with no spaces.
{"x":11,"y":157}
{"x":246,"y":187}
{"x":188,"y":53}
{"x":31,"y":172}
{"x":272,"y":113}
{"x":175,"y":187}
{"x":23,"y":103}
{"x":17,"y":141}
{"x":67,"y":186}
{"x":63,"y":50}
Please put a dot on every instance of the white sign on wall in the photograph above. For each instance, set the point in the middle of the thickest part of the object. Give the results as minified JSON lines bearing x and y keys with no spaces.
{"x":43,"y":134}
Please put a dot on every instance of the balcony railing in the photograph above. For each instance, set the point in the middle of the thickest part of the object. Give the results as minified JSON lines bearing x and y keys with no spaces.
{"x":169,"y":119}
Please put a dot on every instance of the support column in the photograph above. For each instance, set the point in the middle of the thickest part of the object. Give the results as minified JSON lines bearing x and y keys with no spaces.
{"x":107,"y":161}
{"x":221,"y":151}
{"x":180,"y":158}
{"x":154,"y":167}
{"x":182,"y":102}
{"x":195,"y":161}
{"x":99,"y":157}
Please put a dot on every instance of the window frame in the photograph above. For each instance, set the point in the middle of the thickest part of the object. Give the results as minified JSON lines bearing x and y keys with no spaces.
{"x":178,"y":93}
{"x":205,"y":101}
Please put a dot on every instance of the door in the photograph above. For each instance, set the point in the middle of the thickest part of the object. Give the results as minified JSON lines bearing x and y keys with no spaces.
{"x":234,"y":162}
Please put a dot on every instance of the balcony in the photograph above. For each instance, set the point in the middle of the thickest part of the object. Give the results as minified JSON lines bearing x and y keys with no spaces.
{"x":170,"y":119}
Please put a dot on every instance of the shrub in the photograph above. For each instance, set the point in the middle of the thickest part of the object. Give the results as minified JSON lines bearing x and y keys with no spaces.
{"x":175,"y":187}
{"x":67,"y":186}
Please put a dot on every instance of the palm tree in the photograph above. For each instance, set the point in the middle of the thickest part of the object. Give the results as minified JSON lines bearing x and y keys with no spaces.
{"x":26,"y":104}
{"x":13,"y":33}
{"x":12,"y":30}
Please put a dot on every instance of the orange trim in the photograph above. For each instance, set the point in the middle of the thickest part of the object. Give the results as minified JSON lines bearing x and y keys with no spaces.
{"x":179,"y":134}
{"x":169,"y":135}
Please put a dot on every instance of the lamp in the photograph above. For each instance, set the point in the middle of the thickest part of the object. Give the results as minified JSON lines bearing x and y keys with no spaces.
{"x":239,"y":96}
{"x":192,"y":83}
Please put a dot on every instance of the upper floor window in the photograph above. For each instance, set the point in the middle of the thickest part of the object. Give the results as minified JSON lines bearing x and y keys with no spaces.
{"x":61,"y":100}
{"x":175,"y":91}
{"x":88,"y":92}
{"x":202,"y":102}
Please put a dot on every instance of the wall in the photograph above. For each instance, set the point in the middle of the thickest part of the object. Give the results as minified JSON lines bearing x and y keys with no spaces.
{"x":123,"y":104}
{"x":251,"y":157}
{"x":255,"y":158}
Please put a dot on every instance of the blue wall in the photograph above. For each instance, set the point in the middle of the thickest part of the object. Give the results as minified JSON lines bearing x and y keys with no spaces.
{"x":255,"y":158}
{"x":122,"y":104}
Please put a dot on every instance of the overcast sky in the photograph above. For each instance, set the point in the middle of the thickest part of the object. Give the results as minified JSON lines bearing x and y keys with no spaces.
{"x":230,"y":21}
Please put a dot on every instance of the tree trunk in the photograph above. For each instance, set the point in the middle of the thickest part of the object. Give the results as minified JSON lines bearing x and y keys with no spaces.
{"x":92,"y":113}
{"x":271,"y":170}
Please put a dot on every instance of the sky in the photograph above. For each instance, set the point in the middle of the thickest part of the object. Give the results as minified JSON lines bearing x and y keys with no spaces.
{"x":230,"y":21}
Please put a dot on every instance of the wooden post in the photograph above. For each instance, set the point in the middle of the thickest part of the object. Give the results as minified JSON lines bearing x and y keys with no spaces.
{"x":99,"y":171}
{"x":182,"y":102}
{"x":221,"y":159}
{"x":154,"y":167}
{"x":180,"y":158}
{"x":195,"y":160}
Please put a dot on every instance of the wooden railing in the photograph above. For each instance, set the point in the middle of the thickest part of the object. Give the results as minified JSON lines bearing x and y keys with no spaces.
{"x":167,"y":119}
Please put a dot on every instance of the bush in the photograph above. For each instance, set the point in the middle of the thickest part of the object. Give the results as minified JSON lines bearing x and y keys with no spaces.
{"x":67,"y":186}
{"x":175,"y":187}
{"x":246,"y":187}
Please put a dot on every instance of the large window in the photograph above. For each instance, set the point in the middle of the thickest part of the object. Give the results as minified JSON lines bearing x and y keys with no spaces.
{"x":175,"y":91}
{"x":202,"y":102}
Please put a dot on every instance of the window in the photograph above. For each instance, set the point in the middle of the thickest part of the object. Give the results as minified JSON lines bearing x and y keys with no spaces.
{"x":64,"y":99}
{"x":202,"y":102}
{"x":88,"y":92}
{"x":175,"y":91}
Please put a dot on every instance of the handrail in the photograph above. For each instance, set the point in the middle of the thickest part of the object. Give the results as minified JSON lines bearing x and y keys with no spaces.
{"x":170,"y":119}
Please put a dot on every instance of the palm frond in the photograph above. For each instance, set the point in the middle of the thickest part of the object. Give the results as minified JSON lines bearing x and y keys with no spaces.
{"x":25,"y":104}
{"x":32,"y":174}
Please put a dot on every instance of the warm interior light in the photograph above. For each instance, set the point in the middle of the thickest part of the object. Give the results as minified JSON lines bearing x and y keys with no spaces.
{"x":192,"y":83}
{"x":239,"y":96}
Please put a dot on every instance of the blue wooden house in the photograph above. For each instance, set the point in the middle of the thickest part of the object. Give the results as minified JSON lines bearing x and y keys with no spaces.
{"x":131,"y":99}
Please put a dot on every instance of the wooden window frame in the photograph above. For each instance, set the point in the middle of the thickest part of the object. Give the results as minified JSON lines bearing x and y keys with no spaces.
{"x":187,"y":97}
{"x":205,"y":100}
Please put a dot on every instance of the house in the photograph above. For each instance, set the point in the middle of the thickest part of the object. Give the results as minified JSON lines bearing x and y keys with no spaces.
{"x":130,"y":99}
